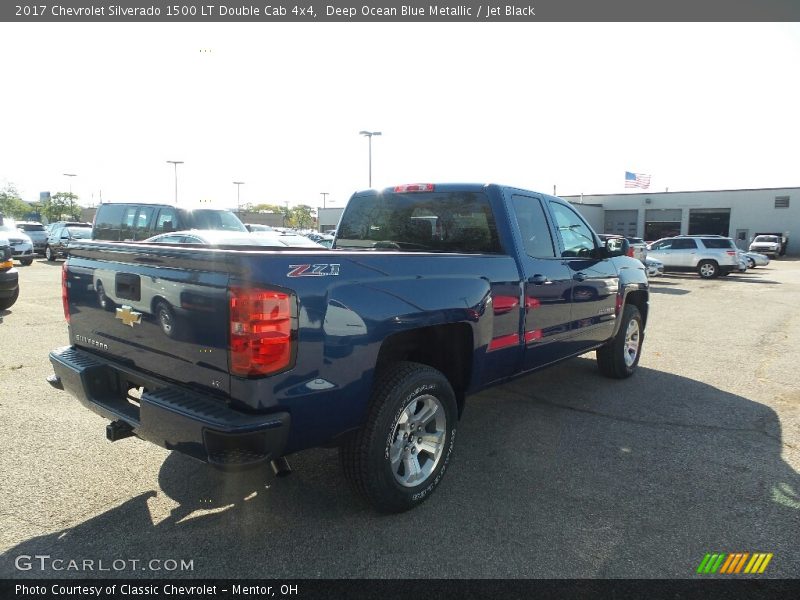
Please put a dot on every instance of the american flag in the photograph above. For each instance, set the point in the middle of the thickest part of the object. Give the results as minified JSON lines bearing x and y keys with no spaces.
{"x":636,"y":180}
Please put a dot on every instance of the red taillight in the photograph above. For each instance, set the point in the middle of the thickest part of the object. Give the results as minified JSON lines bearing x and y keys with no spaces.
{"x":413,"y":187}
{"x":262,"y":328}
{"x":65,"y":290}
{"x":630,"y":251}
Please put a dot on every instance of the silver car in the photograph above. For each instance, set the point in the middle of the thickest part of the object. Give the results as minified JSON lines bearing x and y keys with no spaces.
{"x":755,"y":259}
{"x":21,"y":244}
{"x":36,"y":232}
{"x":709,"y":256}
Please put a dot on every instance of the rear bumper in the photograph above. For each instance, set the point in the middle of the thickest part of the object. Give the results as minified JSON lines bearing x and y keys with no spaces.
{"x":170,"y":416}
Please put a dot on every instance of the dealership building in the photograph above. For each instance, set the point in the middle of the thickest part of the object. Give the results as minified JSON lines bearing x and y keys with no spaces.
{"x":739,"y":214}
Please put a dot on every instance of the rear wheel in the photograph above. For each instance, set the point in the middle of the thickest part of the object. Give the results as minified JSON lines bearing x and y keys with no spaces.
{"x":104,"y":301}
{"x":27,"y":262}
{"x":397,"y":459}
{"x":751,"y":264}
{"x":620,"y":357}
{"x":49,"y":254}
{"x":165,"y":318}
{"x":708,"y":269}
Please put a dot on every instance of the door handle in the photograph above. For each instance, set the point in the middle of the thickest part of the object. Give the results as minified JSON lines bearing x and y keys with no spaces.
{"x":539,"y":279}
{"x":579,"y":277}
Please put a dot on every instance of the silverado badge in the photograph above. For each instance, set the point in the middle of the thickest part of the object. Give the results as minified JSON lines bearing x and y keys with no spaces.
{"x":128,"y":316}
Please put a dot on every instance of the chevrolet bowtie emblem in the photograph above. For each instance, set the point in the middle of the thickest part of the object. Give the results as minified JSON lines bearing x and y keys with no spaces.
{"x":128,"y":316}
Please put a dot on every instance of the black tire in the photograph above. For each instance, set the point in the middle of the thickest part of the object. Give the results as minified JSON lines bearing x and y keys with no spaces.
{"x":618,"y":358}
{"x":26,"y":262}
{"x":7,"y":303}
{"x":708,"y":269}
{"x":102,"y":299}
{"x":165,"y":317}
{"x":376,"y":459}
{"x":49,"y":254}
{"x":751,"y":264}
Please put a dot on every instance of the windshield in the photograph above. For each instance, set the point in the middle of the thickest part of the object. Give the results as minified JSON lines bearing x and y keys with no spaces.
{"x":214,"y":219}
{"x":766,"y":238}
{"x":421,"y":222}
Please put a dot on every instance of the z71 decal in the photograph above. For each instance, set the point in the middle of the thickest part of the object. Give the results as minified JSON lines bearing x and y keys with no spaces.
{"x":312,"y":270}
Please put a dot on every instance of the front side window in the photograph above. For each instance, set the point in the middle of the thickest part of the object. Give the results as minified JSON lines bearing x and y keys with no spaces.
{"x":575,"y":234}
{"x":684,"y":244}
{"x":167,"y":221}
{"x":420,"y":222}
{"x":213,"y":219}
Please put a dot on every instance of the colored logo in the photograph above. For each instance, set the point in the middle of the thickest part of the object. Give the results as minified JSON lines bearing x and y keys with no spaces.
{"x":321,"y":270}
{"x":737,"y":563}
{"x":129,"y":316}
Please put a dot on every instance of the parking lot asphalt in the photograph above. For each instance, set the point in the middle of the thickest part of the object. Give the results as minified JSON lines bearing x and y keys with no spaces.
{"x":562,"y":473}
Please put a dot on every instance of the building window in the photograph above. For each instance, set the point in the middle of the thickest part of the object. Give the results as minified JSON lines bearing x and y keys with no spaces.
{"x":781,"y":201}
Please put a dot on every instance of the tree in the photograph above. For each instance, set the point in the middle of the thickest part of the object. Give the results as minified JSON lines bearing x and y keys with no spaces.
{"x":62,"y":207}
{"x":301,"y":216}
{"x":11,"y":205}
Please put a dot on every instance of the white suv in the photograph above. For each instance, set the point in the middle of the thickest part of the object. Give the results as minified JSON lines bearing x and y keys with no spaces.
{"x":710,"y":255}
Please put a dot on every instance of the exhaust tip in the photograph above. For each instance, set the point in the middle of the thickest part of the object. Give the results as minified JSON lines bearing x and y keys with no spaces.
{"x":55,"y":381}
{"x":280,"y":467}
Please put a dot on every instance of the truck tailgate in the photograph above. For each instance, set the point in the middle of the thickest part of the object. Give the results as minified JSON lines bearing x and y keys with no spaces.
{"x":161,"y":311}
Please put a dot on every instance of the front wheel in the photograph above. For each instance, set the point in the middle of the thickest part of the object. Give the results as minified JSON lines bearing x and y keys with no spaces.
{"x":397,"y":459}
{"x":620,"y":356}
{"x":751,"y":264}
{"x":26,"y":262}
{"x":49,"y":254}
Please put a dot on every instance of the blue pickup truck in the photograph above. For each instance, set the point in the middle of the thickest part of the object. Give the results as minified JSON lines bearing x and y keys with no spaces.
{"x":429,"y":294}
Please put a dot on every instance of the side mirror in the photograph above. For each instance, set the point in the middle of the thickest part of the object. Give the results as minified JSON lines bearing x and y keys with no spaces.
{"x":617,"y":247}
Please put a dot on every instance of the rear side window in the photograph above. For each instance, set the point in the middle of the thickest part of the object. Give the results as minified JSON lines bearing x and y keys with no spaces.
{"x":142,"y":222}
{"x":718,"y":243}
{"x":420,"y":222}
{"x":536,"y":238}
{"x":108,"y":221}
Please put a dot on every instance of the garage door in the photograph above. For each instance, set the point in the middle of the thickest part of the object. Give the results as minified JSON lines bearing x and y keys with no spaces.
{"x":710,"y":221}
{"x":622,"y":222}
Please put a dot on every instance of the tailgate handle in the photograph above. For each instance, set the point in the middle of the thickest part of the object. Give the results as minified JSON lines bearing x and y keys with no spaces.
{"x":128,"y":286}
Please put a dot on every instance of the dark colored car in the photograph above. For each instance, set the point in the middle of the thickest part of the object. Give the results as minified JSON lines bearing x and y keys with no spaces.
{"x":9,"y":280}
{"x":134,"y":222}
{"x":60,"y":237}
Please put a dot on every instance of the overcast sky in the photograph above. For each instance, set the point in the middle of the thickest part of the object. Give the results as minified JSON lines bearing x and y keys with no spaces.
{"x":279,"y":106}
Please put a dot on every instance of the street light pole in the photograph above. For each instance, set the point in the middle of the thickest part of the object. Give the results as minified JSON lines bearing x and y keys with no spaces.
{"x":175,"y":163}
{"x":369,"y":134}
{"x":324,"y":197}
{"x":238,"y":205}
{"x":70,"y":175}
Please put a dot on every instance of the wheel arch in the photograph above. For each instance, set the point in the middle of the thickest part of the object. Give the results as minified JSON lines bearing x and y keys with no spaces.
{"x":446,"y":347}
